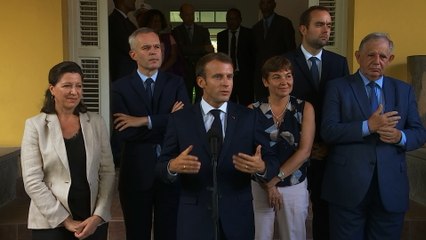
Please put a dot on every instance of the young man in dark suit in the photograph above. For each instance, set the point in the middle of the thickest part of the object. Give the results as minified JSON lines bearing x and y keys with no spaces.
{"x":141,"y":104}
{"x":237,"y":42}
{"x":315,"y":28}
{"x":194,"y":42}
{"x":215,"y":127}
{"x":370,"y":121}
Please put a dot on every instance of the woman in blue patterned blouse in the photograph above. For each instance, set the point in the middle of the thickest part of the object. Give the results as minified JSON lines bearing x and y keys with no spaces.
{"x":290,"y":125}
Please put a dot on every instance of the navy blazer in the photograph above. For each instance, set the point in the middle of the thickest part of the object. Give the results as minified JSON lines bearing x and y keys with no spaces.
{"x":242,"y":134}
{"x":192,"y":50}
{"x":119,"y":30}
{"x":279,"y":39}
{"x":333,"y":66}
{"x":353,"y":158}
{"x":139,"y":153}
{"x":245,"y":47}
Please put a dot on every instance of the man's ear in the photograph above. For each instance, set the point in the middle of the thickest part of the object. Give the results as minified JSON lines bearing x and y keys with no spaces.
{"x":132,"y":54}
{"x":201,"y":82}
{"x":391,"y":57}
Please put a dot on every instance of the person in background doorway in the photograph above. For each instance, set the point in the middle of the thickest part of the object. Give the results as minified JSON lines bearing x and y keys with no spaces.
{"x":236,"y":41}
{"x":273,"y":35}
{"x":172,"y":60}
{"x":194,"y":42}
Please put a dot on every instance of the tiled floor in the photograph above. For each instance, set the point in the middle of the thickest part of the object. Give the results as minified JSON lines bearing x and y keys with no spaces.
{"x":13,"y":220}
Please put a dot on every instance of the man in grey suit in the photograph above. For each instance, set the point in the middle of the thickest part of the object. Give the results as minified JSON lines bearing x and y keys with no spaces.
{"x":371,"y":121}
{"x":315,"y":28}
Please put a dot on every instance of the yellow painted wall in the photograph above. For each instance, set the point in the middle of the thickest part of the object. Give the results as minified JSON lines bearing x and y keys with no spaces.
{"x":31,"y":43}
{"x":403,"y":20}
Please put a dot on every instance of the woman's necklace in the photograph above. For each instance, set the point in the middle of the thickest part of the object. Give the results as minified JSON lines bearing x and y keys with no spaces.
{"x":278,"y":118}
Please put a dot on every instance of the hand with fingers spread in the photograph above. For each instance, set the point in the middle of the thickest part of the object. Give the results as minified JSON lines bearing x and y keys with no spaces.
{"x":250,"y":164}
{"x":379,"y":119}
{"x":185,"y":163}
{"x":123,"y":121}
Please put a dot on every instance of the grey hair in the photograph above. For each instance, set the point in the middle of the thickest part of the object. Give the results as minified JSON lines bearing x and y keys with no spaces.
{"x":138,"y":31}
{"x":375,"y":36}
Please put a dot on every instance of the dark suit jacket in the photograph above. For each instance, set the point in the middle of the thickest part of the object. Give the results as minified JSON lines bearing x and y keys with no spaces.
{"x":119,"y":30}
{"x":245,"y":54}
{"x":279,"y":40}
{"x":333,"y":66}
{"x":139,"y":153}
{"x":192,"y":50}
{"x":235,"y":199}
{"x":352,"y":158}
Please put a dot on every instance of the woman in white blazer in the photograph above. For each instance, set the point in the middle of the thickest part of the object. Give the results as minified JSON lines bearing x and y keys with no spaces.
{"x":67,"y":165}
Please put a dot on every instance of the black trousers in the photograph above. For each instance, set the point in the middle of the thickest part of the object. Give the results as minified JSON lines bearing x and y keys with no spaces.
{"x":320,"y":218}
{"x":61,"y":233}
{"x":160,"y":201}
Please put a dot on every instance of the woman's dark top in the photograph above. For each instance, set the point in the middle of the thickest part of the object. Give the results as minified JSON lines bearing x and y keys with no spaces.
{"x":79,"y":194}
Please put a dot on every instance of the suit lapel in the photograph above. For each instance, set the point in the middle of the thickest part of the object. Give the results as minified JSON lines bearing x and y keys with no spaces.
{"x":89,"y":143}
{"x":301,"y":61}
{"x":160,"y":82}
{"x":231,"y":125}
{"x":361,"y":97}
{"x":389,"y":92}
{"x":200,"y":128}
{"x":138,"y":86}
{"x":55,"y":133}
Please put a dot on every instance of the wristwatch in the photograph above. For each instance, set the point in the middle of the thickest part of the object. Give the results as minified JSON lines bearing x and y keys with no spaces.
{"x":281,"y":175}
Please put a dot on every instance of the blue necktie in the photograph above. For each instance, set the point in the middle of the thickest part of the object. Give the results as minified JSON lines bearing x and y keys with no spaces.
{"x":148,"y":90}
{"x":374,"y":102}
{"x":314,"y":71}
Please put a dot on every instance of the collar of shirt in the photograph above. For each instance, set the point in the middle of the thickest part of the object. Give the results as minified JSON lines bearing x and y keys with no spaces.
{"x":122,"y":13}
{"x":144,"y":77}
{"x":308,"y":55}
{"x":269,"y":19}
{"x":208,"y":118}
{"x":366,"y":81}
{"x":236,"y":31}
{"x":205,"y":107}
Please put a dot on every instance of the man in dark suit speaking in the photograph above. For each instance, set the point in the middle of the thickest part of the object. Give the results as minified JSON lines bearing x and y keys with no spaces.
{"x":370,"y":120}
{"x":141,"y":104}
{"x":188,"y":155}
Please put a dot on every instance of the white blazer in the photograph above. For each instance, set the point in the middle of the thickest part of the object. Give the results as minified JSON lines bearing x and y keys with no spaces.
{"x":46,"y":174}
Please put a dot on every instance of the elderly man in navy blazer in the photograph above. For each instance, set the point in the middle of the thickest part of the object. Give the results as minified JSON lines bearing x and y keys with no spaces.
{"x":315,"y":27}
{"x":188,"y":156}
{"x":141,"y":104}
{"x":371,"y":121}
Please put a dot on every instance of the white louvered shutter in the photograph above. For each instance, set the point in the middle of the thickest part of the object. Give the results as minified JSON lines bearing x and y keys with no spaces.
{"x":338,"y":11}
{"x":88,"y":46}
